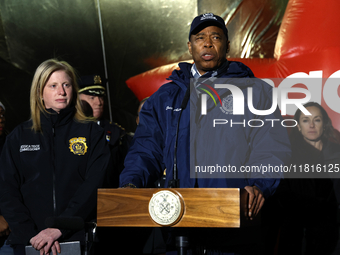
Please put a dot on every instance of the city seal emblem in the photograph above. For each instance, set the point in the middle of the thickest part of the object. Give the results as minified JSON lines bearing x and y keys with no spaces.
{"x":227,"y":105}
{"x":78,"y":145}
{"x":166,"y":208}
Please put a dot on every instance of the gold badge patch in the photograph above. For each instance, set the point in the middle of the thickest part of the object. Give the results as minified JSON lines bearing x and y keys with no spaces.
{"x":78,"y":145}
{"x":97,"y":80}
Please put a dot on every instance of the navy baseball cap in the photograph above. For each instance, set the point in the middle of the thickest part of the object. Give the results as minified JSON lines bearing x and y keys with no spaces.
{"x":207,"y":19}
{"x":91,"y":85}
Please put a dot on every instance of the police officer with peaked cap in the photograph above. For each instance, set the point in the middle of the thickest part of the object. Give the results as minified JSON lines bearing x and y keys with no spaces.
{"x":92,"y":93}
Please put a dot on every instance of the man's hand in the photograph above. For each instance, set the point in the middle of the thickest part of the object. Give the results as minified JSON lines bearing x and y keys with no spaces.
{"x":46,"y":240}
{"x":4,"y":228}
{"x":256,"y":200}
{"x":129,"y":186}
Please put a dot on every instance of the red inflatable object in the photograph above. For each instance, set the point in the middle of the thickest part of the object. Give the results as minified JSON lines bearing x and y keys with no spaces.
{"x":308,"y":45}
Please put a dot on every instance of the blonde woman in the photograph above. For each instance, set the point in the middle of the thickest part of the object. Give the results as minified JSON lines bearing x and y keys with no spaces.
{"x":53,"y":164}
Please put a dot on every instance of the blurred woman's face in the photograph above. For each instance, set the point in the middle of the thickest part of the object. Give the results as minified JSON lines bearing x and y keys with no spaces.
{"x":2,"y":121}
{"x":57,"y":93}
{"x":311,"y":126}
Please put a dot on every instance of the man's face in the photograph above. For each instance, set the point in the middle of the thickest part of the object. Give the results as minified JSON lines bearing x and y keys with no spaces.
{"x":96,"y":103}
{"x":2,"y":121}
{"x":208,"y":48}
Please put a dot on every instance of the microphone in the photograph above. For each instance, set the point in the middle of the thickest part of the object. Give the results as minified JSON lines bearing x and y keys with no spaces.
{"x":185,"y":99}
{"x":174,"y":183}
{"x":69,"y":223}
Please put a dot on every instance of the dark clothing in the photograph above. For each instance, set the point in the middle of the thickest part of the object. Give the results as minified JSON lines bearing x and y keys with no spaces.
{"x":2,"y":142}
{"x":119,"y":142}
{"x":309,"y":206}
{"x":51,"y":173}
{"x":113,"y":132}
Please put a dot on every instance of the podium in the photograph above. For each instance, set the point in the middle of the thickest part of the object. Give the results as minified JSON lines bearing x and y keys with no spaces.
{"x":178,"y":207}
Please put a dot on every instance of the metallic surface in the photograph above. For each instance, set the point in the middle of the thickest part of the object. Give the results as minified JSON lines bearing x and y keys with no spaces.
{"x":138,"y":35}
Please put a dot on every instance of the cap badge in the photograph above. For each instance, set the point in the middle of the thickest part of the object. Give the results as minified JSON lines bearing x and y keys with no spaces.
{"x":97,"y":80}
{"x":208,"y":16}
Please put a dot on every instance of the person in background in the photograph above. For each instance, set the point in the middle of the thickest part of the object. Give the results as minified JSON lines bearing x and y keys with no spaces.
{"x":3,"y":132}
{"x":52,"y":164}
{"x":141,"y":103}
{"x":5,"y":249}
{"x":92,"y":91}
{"x":309,"y":205}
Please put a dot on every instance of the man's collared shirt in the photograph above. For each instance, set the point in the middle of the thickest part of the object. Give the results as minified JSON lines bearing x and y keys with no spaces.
{"x":195,"y":73}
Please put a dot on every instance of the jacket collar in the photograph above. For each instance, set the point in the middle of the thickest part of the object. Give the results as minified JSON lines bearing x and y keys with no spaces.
{"x":229,"y":69}
{"x":54,"y":119}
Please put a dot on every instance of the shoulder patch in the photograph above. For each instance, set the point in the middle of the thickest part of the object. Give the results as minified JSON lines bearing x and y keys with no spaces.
{"x":119,"y":126}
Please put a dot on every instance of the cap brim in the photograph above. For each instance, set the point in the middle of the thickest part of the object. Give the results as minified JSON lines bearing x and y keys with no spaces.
{"x":93,"y":92}
{"x":203,"y":25}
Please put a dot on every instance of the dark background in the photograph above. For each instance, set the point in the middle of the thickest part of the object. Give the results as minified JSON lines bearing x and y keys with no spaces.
{"x":138,"y":35}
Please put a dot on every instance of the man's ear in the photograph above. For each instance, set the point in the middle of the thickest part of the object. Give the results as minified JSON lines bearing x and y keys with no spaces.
{"x":228,"y":46}
{"x":189,"y":47}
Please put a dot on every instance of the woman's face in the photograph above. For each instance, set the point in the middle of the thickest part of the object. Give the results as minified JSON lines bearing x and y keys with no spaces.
{"x":311,"y":126}
{"x":57,"y":93}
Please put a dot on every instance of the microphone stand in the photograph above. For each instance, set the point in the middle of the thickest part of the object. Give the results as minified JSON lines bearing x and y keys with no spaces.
{"x":174,"y":183}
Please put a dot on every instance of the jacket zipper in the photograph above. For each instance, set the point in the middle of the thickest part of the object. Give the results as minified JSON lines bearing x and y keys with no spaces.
{"x":53,"y":163}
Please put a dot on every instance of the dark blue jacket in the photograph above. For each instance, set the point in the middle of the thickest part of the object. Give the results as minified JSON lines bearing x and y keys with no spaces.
{"x":153,"y":146}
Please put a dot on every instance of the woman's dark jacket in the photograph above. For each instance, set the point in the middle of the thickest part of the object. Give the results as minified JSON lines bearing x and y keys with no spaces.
{"x":53,"y":173}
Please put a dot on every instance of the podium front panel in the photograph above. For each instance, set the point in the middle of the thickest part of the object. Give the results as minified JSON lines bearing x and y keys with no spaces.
{"x":202,"y":207}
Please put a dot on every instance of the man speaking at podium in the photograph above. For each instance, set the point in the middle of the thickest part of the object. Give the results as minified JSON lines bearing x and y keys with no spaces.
{"x":163,"y":138}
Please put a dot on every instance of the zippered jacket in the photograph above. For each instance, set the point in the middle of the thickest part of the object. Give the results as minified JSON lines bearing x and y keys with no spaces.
{"x":53,"y":173}
{"x":241,"y":145}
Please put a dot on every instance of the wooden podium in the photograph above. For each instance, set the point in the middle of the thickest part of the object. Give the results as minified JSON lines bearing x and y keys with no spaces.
{"x":199,"y":207}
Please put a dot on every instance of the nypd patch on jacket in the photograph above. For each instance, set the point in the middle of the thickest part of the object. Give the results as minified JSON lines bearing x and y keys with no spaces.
{"x":53,"y":173}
